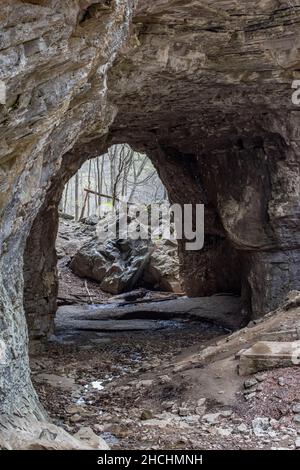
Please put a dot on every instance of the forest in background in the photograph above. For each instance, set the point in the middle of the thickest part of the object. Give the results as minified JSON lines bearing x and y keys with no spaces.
{"x":120,"y":174}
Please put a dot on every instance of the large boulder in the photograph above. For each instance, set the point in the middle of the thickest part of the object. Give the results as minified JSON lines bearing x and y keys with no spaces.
{"x":122,"y":265}
{"x":116,"y":264}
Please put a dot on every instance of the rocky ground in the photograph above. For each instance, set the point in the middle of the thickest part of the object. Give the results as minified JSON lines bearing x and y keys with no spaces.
{"x":153,"y":370}
{"x":143,"y":390}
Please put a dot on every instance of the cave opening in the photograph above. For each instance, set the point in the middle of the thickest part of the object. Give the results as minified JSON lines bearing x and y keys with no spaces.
{"x":102,"y":311}
{"x":67,"y":263}
{"x":97,"y":265}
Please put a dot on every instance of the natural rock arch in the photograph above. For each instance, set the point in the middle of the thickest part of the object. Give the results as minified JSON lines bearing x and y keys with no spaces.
{"x":215,"y":269}
{"x":203,"y":90}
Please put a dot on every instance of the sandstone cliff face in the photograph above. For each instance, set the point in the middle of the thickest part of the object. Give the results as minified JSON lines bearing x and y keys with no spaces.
{"x":54,"y":62}
{"x":205,"y":89}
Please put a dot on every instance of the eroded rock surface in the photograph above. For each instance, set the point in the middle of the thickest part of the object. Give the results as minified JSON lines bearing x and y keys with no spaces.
{"x":122,"y":265}
{"x":204,"y":89}
{"x":116,"y":264}
{"x":34,"y":435}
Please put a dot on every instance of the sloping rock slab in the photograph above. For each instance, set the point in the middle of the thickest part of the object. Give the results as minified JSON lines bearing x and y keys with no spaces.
{"x":265,"y":355}
{"x":285,"y":319}
{"x":220,"y":310}
{"x":116,"y":264}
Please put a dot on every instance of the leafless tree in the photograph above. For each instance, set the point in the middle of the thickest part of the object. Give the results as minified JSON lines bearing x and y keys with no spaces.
{"x":119,"y":174}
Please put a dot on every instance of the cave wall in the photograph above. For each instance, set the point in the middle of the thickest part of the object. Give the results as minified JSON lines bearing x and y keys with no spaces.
{"x":40,"y":257}
{"x":216,"y":267}
{"x":207,"y":87}
{"x":54,"y":65}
